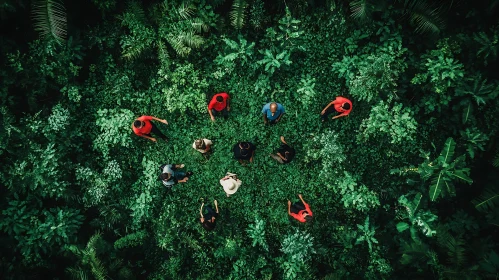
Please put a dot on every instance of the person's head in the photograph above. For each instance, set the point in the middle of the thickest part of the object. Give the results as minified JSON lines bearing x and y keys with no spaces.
{"x":345,"y":106}
{"x":220,"y":99}
{"x":164,"y":176}
{"x":244,"y":148}
{"x":209,"y":226}
{"x":200,"y":144}
{"x":307,"y":217}
{"x":138,"y":124}
{"x":273,"y":108}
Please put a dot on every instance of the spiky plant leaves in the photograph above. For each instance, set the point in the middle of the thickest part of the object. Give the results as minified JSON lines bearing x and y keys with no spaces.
{"x":186,"y":10}
{"x":448,"y":151}
{"x":361,"y":9}
{"x":77,"y":273}
{"x":467,"y":112}
{"x":238,"y":13}
{"x":413,"y":252}
{"x":425,"y":17}
{"x":488,"y":199}
{"x":402,"y":226}
{"x":199,"y":25}
{"x":49,"y":18}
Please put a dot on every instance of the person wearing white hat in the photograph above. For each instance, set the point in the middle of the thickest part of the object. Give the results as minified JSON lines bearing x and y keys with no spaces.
{"x":230,"y":183}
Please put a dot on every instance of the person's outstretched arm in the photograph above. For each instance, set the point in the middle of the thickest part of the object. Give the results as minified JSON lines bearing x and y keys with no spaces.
{"x":252,"y":155}
{"x":159,"y":120}
{"x":327,"y":107}
{"x":301,"y":198}
{"x":265,"y":118}
{"x":201,"y":213}
{"x":211,"y":114}
{"x":289,"y":207}
{"x":216,"y":205}
{"x":340,"y":115}
{"x":228,"y":102}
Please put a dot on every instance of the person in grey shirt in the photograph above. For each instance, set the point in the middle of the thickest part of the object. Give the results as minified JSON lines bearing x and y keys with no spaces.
{"x":170,"y":175}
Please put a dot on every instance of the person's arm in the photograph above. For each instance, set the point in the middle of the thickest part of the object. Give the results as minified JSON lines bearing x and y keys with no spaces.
{"x":289,"y":207}
{"x":145,"y":136}
{"x":159,"y":120}
{"x":265,"y":120}
{"x":327,"y":107}
{"x":183,"y":180}
{"x":283,"y":158}
{"x":201,"y":213}
{"x":279,"y":118}
{"x":216,"y":205}
{"x":228,"y":103}
{"x":211,"y":114}
{"x":340,"y":115}
{"x":252,"y":155}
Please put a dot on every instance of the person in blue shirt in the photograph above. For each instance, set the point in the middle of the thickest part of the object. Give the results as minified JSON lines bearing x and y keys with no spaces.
{"x":272,"y":112}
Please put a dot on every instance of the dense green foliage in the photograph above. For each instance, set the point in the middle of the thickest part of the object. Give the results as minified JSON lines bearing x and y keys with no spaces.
{"x":405,"y":187}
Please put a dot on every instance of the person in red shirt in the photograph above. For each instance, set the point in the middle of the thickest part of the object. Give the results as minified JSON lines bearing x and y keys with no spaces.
{"x":143,"y":127}
{"x":300,"y":211}
{"x":219,"y":103}
{"x":340,"y":104}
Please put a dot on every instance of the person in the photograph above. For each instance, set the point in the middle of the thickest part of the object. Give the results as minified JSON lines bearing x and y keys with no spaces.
{"x":143,"y":127}
{"x":230,"y":183}
{"x":285,"y":153}
{"x":170,"y":175}
{"x":340,"y":104}
{"x":203,"y":146}
{"x":209,"y":220}
{"x":244,"y":151}
{"x":300,"y":210}
{"x":272,"y":112}
{"x":219,"y":103}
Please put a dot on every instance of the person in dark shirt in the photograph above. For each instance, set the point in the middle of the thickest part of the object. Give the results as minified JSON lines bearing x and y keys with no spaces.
{"x":244,"y":151}
{"x":285,"y":153}
{"x":209,"y":220}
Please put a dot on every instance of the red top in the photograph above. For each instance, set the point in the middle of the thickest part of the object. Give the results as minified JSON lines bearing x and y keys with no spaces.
{"x":338,"y":102}
{"x":300,"y":216}
{"x":146,"y":129}
{"x":216,"y":105}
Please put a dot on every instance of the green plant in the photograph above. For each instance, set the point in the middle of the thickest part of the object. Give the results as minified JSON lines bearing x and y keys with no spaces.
{"x":298,"y":249}
{"x":237,"y":14}
{"x":256,"y":232}
{"x":396,"y":122}
{"x":366,"y":234}
{"x":354,"y":195}
{"x":306,"y":92}
{"x":243,"y":52}
{"x":489,"y":45}
{"x":273,"y":61}
{"x":474,"y":139}
{"x":49,"y":17}
{"x":418,"y":219}
{"x":114,"y":131}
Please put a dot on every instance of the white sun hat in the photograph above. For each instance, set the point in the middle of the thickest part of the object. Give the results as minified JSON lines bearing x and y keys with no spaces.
{"x":230,"y":185}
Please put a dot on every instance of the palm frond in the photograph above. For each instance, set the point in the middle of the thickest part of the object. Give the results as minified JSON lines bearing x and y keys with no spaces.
{"x":199,"y":25}
{"x":361,"y":9}
{"x":77,"y":273}
{"x":488,"y":199}
{"x":425,"y":17}
{"x":186,"y":11}
{"x":237,"y":14}
{"x":455,"y":250}
{"x":49,"y":18}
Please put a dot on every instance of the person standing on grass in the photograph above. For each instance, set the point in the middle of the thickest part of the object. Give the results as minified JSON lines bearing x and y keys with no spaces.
{"x":272,"y":112}
{"x":209,"y":220}
{"x":340,"y":104}
{"x":285,"y":153}
{"x":203,"y":146}
{"x":244,"y":151}
{"x":219,"y":104}
{"x":300,"y":210}
{"x":143,"y":127}
{"x":170,"y":175}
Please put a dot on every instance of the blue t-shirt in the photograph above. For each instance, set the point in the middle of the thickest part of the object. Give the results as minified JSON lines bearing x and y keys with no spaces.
{"x":266,"y":110}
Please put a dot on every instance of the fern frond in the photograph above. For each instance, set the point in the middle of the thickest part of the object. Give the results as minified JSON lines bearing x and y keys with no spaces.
{"x":49,"y":18}
{"x":425,"y":17}
{"x":455,"y":250}
{"x":361,"y":9}
{"x":77,"y":273}
{"x":488,"y":199}
{"x":186,"y":11}
{"x":199,"y":25}
{"x":237,"y":14}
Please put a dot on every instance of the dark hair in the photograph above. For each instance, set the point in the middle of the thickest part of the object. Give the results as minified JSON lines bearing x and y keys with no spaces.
{"x":164,"y":176}
{"x":137,"y":123}
{"x":244,"y":152}
{"x":308,"y":218}
{"x":346,"y":106}
{"x":208,"y":225}
{"x":220,"y":99}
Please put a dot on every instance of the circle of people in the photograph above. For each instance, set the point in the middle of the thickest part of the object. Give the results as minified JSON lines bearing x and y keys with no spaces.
{"x":243,"y":151}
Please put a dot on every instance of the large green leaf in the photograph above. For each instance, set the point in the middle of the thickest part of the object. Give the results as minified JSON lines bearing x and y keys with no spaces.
{"x":436,"y":186}
{"x":402,"y":226}
{"x":448,"y":151}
